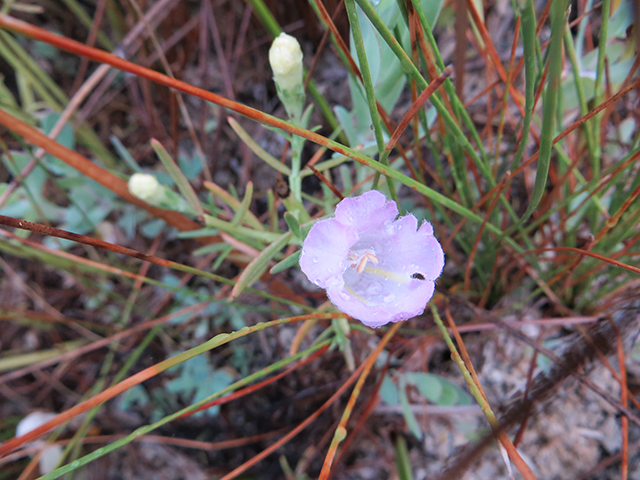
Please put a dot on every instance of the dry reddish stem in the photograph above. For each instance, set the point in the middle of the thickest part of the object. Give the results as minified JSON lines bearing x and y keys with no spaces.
{"x":418,"y":104}
{"x":624,"y":396}
{"x":474,"y":249}
{"x":248,"y":464}
{"x":501,"y":436}
{"x":56,"y":232}
{"x":326,"y":181}
{"x":117,"y":389}
{"x":365,"y":368}
{"x":493,"y":54}
{"x":509,"y":79}
{"x":368,"y":409}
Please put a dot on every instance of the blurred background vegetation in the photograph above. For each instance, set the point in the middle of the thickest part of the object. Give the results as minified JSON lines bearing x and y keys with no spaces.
{"x":525,"y":160}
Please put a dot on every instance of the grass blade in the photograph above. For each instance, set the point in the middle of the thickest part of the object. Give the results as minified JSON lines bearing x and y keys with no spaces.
{"x":181,"y":181}
{"x":550,"y":103}
{"x":259,"y":265}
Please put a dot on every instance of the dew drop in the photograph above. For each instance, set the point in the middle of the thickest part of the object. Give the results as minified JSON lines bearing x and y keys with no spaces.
{"x":374,"y":288}
{"x":389,"y":298}
{"x":315,"y":259}
{"x":388,"y":228}
{"x":344,"y":295}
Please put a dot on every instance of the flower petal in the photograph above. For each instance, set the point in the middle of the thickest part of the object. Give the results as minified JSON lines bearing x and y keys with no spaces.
{"x":368,"y":211}
{"x":325,"y":251}
{"x":417,"y":251}
{"x":398,"y":309}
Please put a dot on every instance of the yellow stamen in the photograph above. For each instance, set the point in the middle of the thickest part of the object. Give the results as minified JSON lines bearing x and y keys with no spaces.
{"x":354,"y":294}
{"x":386,"y":274}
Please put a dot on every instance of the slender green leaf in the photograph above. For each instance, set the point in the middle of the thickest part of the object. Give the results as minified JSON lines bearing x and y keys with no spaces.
{"x":409,"y":417}
{"x":528,"y":16}
{"x":124,"y":154}
{"x":288,"y":262}
{"x":260,"y":152}
{"x":402,"y":458}
{"x":369,"y":90}
{"x":259,"y":265}
{"x":558,"y":18}
{"x":294,"y":225}
{"x":233,"y":202}
{"x":244,"y":206}
{"x":181,"y":181}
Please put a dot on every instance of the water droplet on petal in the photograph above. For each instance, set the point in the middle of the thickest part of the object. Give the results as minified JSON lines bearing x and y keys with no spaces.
{"x":344,"y":295}
{"x":388,"y":228}
{"x":389,"y":298}
{"x":374,"y":288}
{"x":315,"y":259}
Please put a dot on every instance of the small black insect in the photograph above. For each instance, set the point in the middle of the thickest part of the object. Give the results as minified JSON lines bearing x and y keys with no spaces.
{"x":418,"y":276}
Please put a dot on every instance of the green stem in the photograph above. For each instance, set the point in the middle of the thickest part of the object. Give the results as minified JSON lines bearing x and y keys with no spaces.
{"x":598,"y":90}
{"x":558,"y":18}
{"x":529,"y":44}
{"x":369,"y":91}
{"x":271,"y":25}
{"x":449,"y":87}
{"x":455,"y":356}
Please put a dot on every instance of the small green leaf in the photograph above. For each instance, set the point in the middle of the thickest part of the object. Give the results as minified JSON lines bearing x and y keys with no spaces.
{"x":288,"y":262}
{"x":402,"y":459}
{"x":389,"y":391}
{"x":409,"y":417}
{"x":259,"y":265}
{"x":294,"y":225}
{"x":124,"y":154}
{"x":449,"y":395}
{"x":244,"y":206}
{"x":181,"y":181}
{"x":257,"y":149}
{"x":227,"y":198}
{"x":221,"y":258}
{"x":427,"y":384}
{"x":202,"y":232}
{"x":211,"y":248}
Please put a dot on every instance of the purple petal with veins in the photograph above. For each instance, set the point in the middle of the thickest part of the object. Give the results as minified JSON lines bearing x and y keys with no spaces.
{"x":375,"y":267}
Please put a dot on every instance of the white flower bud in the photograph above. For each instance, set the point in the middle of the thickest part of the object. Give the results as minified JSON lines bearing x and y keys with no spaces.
{"x":285,"y":58}
{"x":147,"y":188}
{"x":144,"y":186}
{"x":33,"y":421}
{"x":51,"y":454}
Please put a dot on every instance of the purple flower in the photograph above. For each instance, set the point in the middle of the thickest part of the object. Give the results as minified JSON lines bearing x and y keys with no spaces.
{"x":375,"y":268}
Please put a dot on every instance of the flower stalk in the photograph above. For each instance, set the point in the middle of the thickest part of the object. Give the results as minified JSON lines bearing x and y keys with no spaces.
{"x":285,"y":58}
